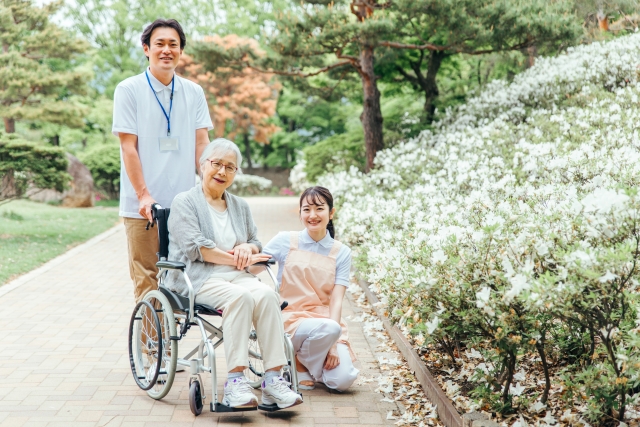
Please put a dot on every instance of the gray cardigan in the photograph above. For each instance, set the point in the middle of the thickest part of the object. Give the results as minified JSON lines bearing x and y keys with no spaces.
{"x":190,"y":228}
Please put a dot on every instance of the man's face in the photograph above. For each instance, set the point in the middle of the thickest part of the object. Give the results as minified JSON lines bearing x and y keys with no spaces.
{"x":164,"y":50}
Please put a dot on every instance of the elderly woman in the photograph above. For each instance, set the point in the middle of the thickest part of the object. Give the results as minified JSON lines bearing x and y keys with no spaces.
{"x":213,"y":233}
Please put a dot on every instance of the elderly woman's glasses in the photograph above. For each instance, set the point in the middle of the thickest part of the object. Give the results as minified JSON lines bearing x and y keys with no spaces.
{"x":216,"y":166}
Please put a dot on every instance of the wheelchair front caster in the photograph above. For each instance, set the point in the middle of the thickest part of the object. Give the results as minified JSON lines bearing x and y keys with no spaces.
{"x":195,"y":398}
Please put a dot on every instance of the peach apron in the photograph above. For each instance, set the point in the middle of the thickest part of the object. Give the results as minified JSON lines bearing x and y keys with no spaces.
{"x":307,"y":281}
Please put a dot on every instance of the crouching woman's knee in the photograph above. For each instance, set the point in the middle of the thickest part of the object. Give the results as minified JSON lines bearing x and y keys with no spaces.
{"x":340,"y":381}
{"x":342,"y":377}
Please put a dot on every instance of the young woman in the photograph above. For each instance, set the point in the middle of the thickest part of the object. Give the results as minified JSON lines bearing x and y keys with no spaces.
{"x":314,"y":275}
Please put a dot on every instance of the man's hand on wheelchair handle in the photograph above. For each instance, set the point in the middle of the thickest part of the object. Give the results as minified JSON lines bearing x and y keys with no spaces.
{"x":144,"y":207}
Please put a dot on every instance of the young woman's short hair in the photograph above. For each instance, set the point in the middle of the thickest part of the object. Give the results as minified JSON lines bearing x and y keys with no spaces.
{"x":166,"y":23}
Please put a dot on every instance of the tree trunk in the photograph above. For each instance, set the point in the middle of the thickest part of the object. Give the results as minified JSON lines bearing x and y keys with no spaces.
{"x":247,"y":152}
{"x":532,"y":52}
{"x":371,"y":116}
{"x":8,"y":186}
{"x":266,"y":149}
{"x":55,"y":140}
{"x":9,"y":125}
{"x":430,"y":85}
{"x":603,"y":21}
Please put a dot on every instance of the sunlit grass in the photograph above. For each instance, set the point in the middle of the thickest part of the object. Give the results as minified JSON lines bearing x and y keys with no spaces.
{"x":33,"y":233}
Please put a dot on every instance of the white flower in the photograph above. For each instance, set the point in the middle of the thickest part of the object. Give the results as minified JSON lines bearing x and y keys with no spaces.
{"x":537,"y":406}
{"x":439,"y":256}
{"x":432,"y":325}
{"x":483,"y":296}
{"x":608,"y":277}
{"x":517,"y":390}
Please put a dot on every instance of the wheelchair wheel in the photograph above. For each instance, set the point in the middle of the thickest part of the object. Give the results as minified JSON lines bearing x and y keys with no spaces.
{"x":169,"y":346}
{"x":144,"y":346}
{"x":255,"y":371}
{"x":195,"y":398}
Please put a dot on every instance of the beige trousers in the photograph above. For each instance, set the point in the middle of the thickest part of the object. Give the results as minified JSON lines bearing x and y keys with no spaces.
{"x":143,"y":247}
{"x":246,"y":300}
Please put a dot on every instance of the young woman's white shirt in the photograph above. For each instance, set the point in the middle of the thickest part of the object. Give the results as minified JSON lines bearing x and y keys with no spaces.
{"x":279,"y":247}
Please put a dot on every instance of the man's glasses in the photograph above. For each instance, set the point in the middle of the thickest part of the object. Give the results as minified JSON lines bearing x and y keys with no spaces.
{"x":216,"y":166}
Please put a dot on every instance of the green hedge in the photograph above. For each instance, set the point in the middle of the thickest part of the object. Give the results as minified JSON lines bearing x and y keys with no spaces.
{"x":25,"y":164}
{"x":104,"y":163}
{"x":334,"y":154}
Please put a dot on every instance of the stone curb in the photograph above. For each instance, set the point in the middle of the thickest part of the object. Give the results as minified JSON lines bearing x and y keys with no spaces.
{"x":447,"y":413}
{"x":14,"y":284}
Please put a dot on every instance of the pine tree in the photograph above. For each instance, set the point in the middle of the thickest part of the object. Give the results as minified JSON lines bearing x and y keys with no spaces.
{"x":433,"y":30}
{"x":345,"y":36}
{"x":40,"y":74}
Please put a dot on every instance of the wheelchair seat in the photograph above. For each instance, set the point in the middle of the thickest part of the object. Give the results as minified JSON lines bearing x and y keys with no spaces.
{"x":169,"y":314}
{"x":180,"y":303}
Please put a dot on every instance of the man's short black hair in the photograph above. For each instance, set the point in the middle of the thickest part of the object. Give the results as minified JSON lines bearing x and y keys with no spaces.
{"x":159,"y":23}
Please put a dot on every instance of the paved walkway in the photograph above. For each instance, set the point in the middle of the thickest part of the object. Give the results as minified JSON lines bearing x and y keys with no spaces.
{"x":64,"y":359}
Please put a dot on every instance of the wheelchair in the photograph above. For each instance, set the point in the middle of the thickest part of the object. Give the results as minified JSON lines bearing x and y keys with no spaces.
{"x":163,"y":318}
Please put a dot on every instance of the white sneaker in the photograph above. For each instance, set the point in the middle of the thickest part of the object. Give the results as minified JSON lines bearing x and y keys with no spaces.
{"x":278,"y":392}
{"x":239,"y":394}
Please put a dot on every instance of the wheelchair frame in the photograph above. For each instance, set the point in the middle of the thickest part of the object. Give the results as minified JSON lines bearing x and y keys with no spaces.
{"x":178,"y":310}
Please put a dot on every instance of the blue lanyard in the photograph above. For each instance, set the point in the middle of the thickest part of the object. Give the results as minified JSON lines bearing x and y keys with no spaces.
{"x":168,"y":116}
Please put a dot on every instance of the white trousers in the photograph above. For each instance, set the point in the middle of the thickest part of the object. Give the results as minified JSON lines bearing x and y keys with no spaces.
{"x":312,"y":341}
{"x":246,"y":300}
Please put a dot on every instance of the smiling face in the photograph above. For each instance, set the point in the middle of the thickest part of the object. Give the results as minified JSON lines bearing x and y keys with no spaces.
{"x":217,"y":180}
{"x":163,"y":50}
{"x":315,"y":214}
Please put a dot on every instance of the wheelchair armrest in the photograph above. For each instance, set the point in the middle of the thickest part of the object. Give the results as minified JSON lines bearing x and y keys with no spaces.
{"x":171,"y":265}
{"x":270,"y":261}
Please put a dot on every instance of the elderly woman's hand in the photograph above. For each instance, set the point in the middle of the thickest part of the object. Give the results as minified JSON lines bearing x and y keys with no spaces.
{"x":242,"y":255}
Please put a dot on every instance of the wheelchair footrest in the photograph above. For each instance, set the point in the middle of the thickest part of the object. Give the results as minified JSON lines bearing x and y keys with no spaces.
{"x":219,"y":407}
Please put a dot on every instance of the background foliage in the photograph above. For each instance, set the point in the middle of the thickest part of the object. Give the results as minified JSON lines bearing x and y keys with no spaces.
{"x":510,"y":232}
{"x":428,"y":56}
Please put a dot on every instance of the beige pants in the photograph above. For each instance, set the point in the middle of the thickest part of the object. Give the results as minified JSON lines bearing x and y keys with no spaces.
{"x":143,"y":247}
{"x":246,"y":300}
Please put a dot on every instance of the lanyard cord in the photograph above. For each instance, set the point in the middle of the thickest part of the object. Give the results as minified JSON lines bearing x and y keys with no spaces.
{"x":168,"y":116}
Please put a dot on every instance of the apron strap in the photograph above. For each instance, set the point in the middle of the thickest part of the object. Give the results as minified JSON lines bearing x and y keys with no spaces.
{"x":294,"y":239}
{"x":333,"y":253}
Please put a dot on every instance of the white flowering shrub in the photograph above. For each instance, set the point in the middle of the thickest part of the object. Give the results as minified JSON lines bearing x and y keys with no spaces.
{"x":298,"y":176}
{"x":514,"y":228}
{"x":250,"y":185}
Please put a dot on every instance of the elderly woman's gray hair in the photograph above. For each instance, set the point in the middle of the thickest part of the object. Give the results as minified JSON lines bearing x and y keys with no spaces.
{"x":219,"y":148}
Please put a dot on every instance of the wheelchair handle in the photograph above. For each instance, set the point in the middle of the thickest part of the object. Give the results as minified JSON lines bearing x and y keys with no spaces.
{"x":154,"y":215}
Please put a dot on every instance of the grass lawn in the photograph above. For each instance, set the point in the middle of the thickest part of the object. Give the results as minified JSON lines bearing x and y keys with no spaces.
{"x":32,"y":233}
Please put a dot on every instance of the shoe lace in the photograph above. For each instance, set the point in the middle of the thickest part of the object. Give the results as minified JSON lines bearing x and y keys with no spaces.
{"x":240,"y":387}
{"x":281,"y":385}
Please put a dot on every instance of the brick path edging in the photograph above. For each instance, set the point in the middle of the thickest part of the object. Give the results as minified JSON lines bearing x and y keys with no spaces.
{"x":21,"y":280}
{"x":447,"y":413}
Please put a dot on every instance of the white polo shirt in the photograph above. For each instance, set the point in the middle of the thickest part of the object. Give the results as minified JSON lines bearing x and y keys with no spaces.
{"x":136,"y":111}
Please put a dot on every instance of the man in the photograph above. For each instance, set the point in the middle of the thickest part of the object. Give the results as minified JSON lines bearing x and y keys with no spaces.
{"x":162,"y":121}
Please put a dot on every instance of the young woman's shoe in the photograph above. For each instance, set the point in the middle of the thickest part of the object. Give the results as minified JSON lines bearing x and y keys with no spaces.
{"x":305,"y":381}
